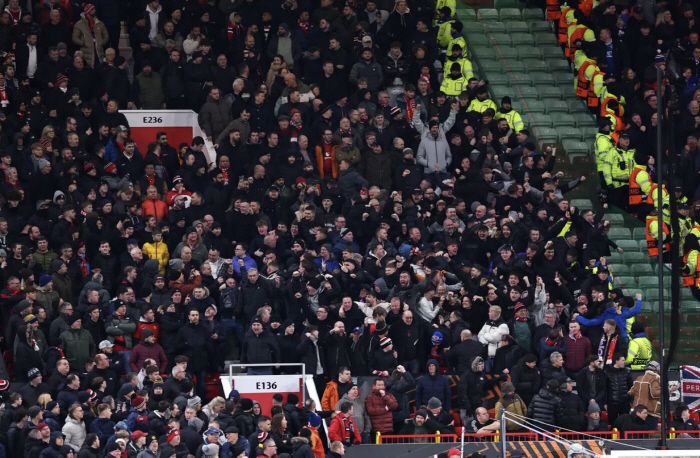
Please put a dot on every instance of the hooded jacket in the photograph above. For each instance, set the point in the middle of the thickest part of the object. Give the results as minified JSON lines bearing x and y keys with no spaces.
{"x":359,"y":414}
{"x":434,"y":150}
{"x":379,"y":409}
{"x":301,"y":448}
{"x":430,"y":386}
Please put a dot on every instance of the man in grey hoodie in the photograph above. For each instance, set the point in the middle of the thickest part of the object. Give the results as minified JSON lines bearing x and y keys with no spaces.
{"x":434,"y":150}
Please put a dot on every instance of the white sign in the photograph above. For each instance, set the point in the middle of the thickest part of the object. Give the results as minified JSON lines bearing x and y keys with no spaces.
{"x":160,"y":118}
{"x":249,"y":384}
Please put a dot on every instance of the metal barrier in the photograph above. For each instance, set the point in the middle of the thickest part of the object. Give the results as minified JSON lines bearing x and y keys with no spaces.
{"x":642,"y":435}
{"x":681,"y":434}
{"x":450,"y":438}
{"x":582,"y":436}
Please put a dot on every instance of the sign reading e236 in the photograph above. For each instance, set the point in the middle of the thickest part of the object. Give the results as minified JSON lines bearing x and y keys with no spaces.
{"x":152,"y":120}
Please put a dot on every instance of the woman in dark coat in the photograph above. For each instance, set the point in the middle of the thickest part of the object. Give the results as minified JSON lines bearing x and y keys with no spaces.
{"x":30,"y":346}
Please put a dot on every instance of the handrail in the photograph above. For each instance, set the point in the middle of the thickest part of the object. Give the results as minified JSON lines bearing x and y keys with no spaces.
{"x":439,"y":438}
{"x":303,"y":373}
{"x":642,"y":434}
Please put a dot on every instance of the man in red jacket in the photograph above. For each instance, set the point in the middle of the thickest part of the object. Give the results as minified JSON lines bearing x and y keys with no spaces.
{"x":379,"y":404}
{"x":343,"y":428}
{"x":578,"y":347}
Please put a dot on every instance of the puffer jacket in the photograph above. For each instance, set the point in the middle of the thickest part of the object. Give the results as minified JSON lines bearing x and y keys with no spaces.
{"x":513,"y":404}
{"x":214,"y":116}
{"x":527,"y":381}
{"x":399,"y":389}
{"x":124,"y":327}
{"x":545,"y":407}
{"x":572,"y":413}
{"x":437,"y":386}
{"x":434,"y":150}
{"x":359,"y":414}
{"x":75,"y":433}
{"x":302,"y":448}
{"x":491,"y":334}
{"x":380,"y":408}
{"x":647,"y":391}
{"x":577,"y":350}
{"x":159,"y":252}
{"x":618,"y":384}
{"x":78,"y":347}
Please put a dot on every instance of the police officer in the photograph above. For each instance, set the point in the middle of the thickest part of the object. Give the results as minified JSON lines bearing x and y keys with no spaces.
{"x":515,"y":121}
{"x":620,"y":160}
{"x":639,"y":349}
{"x":482,"y":101}
{"x":603,"y":145}
{"x":454,"y":83}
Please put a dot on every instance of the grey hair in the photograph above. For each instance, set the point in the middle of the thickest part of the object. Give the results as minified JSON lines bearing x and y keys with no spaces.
{"x":554,"y":356}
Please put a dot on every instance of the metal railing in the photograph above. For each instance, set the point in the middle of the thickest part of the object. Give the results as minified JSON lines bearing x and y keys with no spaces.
{"x":303,"y":374}
{"x":452,"y":438}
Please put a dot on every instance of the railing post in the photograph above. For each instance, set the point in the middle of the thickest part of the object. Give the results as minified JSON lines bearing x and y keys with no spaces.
{"x":378,"y":438}
{"x":437,"y":438}
{"x":672,"y":433}
{"x":615,"y":436}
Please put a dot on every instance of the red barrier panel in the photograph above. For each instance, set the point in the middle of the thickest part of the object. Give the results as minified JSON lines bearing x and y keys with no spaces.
{"x":580,"y":436}
{"x":642,"y":435}
{"x":451,"y":438}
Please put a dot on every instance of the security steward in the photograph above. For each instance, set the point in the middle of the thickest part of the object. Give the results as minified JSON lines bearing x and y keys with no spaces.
{"x":620,"y":160}
{"x":652,"y":233}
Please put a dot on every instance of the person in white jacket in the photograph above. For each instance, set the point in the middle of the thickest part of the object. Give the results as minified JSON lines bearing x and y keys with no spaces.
{"x":74,"y":428}
{"x":426,"y":308}
{"x":491,"y":333}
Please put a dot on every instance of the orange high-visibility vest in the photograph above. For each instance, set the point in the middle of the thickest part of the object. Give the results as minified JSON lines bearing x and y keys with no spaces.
{"x":575,"y":35}
{"x":694,"y":278}
{"x":586,"y":7}
{"x":635,"y":191}
{"x":553,"y":10}
{"x":593,"y":101}
{"x":619,"y":123}
{"x":653,"y":242}
{"x":652,"y":193}
{"x":563,"y":25}
{"x":604,"y":106}
{"x":583,"y":84}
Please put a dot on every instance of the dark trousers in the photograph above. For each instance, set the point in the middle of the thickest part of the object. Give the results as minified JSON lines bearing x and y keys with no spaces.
{"x":617,"y":409}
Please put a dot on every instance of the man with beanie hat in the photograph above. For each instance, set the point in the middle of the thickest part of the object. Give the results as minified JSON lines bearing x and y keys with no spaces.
{"x":593,"y":421}
{"x":639,"y":351}
{"x":33,"y":388}
{"x":244,"y":419}
{"x":78,"y":345}
{"x":422,"y":423}
{"x":515,"y":121}
{"x":511,"y":403}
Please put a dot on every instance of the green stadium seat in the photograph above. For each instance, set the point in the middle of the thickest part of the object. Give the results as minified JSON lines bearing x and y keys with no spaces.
{"x":543,"y":78}
{"x":686,"y":294}
{"x":500,"y":91}
{"x":542,"y":120}
{"x":615,"y":219}
{"x":555,"y":106}
{"x":474,"y":39}
{"x":532,"y":65}
{"x":467,"y":14}
{"x":533,"y":106}
{"x":653,"y":293}
{"x":568,"y":132}
{"x":550,"y":92}
{"x":620,"y":269}
{"x":633,"y":291}
{"x":533,"y":14}
{"x":614,"y":258}
{"x":526,"y":92}
{"x":636,"y":258}
{"x":581,"y":204}
{"x":516,"y":66}
{"x":487,"y":14}
{"x":500,"y":39}
{"x":690,"y":306}
{"x":629,"y":282}
{"x":558,"y":65}
{"x":521,"y":79}
{"x":565,"y":120}
{"x":617,"y":233}
{"x":648,"y":307}
{"x":498,"y":4}
{"x":491,"y":65}
{"x":517,"y":106}
{"x":630,"y":246}
{"x":648,"y":282}
{"x":539,"y":26}
{"x":499,"y":79}
{"x":517,"y":27}
{"x":554,"y":52}
{"x":640,"y":233}
{"x":577,"y":106}
{"x":496,"y":27}
{"x":574,"y":147}
{"x":641,"y":269}
{"x":545,"y":38}
{"x":563,"y":80}
{"x":528,"y":52}
{"x":510,"y":14}
{"x":588,"y":133}
{"x":546,"y":134}
{"x":508,"y":53}
{"x":523,"y":39}
{"x":583,"y":120}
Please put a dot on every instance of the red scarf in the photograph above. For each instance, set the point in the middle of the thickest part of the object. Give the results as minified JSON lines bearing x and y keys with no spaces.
{"x":410,"y":107}
{"x":151,"y":180}
{"x":91,"y":22}
{"x":304,"y":27}
{"x":224,"y":172}
{"x":247,"y":52}
{"x":83,"y":264}
{"x":4,"y":101}
{"x":234,"y":29}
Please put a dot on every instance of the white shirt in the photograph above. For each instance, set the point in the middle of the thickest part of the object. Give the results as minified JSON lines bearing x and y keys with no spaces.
{"x":32,"y":64}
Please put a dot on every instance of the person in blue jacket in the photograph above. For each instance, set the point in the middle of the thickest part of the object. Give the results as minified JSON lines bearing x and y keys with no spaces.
{"x":612,"y":312}
{"x":433,"y":385}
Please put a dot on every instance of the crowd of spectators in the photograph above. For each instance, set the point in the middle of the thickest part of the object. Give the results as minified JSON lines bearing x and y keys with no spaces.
{"x":361,"y":213}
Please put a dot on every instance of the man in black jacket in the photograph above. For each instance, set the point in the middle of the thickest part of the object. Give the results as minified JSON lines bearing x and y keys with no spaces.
{"x":618,"y":383}
{"x":571,"y":406}
{"x":460,"y":356}
{"x":259,"y":347}
{"x":195,"y":341}
{"x":590,"y":382}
